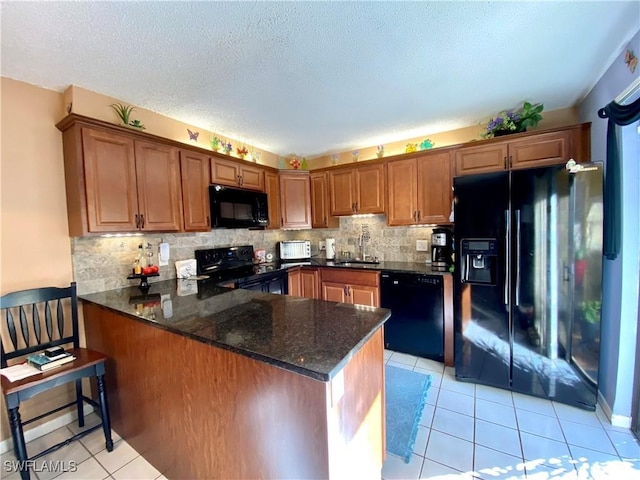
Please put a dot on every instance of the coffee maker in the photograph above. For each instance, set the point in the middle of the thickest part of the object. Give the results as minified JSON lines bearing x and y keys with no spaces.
{"x":441,"y":249}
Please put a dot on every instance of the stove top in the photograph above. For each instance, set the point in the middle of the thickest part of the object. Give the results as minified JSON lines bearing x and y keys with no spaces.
{"x":225,"y":263}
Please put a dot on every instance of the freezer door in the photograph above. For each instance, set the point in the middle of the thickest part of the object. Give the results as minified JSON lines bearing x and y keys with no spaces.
{"x":549,"y":211}
{"x":481,"y":314}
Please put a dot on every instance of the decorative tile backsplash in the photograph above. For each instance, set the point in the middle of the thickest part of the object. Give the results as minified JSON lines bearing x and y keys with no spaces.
{"x":103,"y":263}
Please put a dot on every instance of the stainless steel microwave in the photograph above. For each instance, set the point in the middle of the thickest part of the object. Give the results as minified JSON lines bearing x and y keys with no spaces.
{"x":237,"y":208}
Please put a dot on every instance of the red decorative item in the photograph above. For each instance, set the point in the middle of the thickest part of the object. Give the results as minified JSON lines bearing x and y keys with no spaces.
{"x":242,"y":152}
{"x":295,"y":163}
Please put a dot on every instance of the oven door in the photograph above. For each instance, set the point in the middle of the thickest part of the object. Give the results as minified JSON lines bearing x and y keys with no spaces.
{"x":273,"y":282}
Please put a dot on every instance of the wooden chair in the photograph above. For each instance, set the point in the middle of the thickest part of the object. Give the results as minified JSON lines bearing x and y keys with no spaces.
{"x":34,"y":320}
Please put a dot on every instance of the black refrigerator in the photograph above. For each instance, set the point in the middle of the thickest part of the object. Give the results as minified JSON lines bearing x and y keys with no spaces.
{"x":528,"y":277}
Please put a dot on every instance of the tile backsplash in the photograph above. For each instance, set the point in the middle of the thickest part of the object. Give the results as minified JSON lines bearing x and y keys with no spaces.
{"x":103,"y":263}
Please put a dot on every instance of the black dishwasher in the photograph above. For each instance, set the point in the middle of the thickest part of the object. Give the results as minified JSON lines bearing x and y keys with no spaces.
{"x":416,"y":302}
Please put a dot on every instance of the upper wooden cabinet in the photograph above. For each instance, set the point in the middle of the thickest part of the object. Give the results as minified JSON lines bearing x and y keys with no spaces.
{"x":356,"y":190}
{"x":115,"y":183}
{"x":272,"y":189}
{"x":236,"y":174}
{"x":295,"y":200}
{"x":194,"y":169}
{"x":526,"y":150}
{"x":320,"y":216}
{"x":419,"y":190}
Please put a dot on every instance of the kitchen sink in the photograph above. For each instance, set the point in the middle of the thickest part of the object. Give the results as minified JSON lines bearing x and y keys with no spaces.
{"x":357,"y":262}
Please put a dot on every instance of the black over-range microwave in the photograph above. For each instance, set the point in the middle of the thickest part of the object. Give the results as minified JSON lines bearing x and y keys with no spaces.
{"x":237,"y":208}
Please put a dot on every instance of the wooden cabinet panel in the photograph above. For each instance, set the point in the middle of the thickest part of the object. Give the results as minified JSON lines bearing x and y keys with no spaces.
{"x":364,"y":295}
{"x":540,"y":150}
{"x":251,"y":177}
{"x":334,"y":292}
{"x":294,"y":280}
{"x":342,"y":194}
{"x":295,"y":200}
{"x":481,"y":159}
{"x":357,"y":287}
{"x":434,"y":188}
{"x":272,"y":189}
{"x":320,"y":217}
{"x":310,"y":283}
{"x":235,"y":174}
{"x":158,"y":175}
{"x":194,"y":170}
{"x":110,"y":181}
{"x":369,"y":186}
{"x":402,"y":181}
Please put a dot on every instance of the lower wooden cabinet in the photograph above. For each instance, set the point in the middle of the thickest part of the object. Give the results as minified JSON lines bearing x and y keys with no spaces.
{"x":358,"y":287}
{"x":304,"y":282}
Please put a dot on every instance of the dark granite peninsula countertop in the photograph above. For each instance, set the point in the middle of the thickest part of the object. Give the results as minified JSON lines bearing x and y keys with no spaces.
{"x":310,"y":337}
{"x":405,"y":267}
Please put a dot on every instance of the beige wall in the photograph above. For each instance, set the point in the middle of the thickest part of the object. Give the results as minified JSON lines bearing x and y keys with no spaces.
{"x":552,"y":119}
{"x":95,"y":105}
{"x":35,"y":250}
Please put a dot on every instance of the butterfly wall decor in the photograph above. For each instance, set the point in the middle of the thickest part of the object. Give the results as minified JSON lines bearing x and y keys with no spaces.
{"x":631,"y":60}
{"x":193,"y":135}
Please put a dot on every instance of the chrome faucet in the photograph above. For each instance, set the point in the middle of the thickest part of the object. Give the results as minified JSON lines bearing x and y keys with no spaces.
{"x":362,"y":242}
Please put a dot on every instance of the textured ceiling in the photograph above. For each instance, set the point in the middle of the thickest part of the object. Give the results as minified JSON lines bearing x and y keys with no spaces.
{"x":313,"y":78}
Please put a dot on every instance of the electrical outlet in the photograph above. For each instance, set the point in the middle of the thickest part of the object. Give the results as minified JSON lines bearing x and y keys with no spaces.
{"x":323,"y":245}
{"x":422,"y":245}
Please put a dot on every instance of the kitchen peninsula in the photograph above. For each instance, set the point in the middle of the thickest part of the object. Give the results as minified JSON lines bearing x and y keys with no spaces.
{"x":209,"y":382}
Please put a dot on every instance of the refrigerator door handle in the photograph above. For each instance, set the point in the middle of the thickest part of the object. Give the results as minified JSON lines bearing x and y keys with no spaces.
{"x":518,"y":255}
{"x":507,"y":255}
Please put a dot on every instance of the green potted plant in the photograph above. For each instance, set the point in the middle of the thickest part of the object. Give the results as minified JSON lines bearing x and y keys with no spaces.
{"x":514,"y":121}
{"x":123,"y":111}
{"x":589,"y":319}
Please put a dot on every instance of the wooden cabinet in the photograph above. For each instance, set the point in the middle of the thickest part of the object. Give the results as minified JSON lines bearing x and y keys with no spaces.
{"x":272,"y":189}
{"x":295,"y":200}
{"x":194,"y":169}
{"x":358,"y":287}
{"x":357,"y":190}
{"x":525,"y":150}
{"x":236,"y":174}
{"x":419,"y":190}
{"x":118,"y":184}
{"x":320,"y":216}
{"x":304,"y":282}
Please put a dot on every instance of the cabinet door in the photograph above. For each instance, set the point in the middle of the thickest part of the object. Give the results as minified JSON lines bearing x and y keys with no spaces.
{"x":481,"y":159}
{"x":194,"y":170}
{"x":369,"y":186}
{"x":434,"y":188}
{"x":402,"y":181}
{"x":225,"y":172}
{"x":295,"y":200}
{"x":320,"y":217}
{"x":334,"y":292}
{"x":159,"y":196}
{"x":341,"y":192}
{"x":110,"y":181}
{"x":251,"y":177}
{"x":310,"y":283}
{"x":295,"y":283}
{"x":364,"y":295}
{"x":272,"y":189}
{"x":540,"y":150}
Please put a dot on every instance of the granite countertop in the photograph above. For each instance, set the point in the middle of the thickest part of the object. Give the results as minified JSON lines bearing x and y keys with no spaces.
{"x":310,"y":337}
{"x":404,"y":267}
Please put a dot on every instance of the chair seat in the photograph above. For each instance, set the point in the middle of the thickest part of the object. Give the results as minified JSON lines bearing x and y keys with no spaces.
{"x":84,"y":358}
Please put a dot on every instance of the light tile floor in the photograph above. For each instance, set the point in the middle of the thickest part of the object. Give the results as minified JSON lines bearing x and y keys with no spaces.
{"x":86,"y":459}
{"x":472,"y":431}
{"x":467,"y":431}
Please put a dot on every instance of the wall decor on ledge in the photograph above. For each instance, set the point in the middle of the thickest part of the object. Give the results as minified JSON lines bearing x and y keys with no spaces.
{"x":514,"y":121}
{"x":193,"y":135}
{"x":355,"y":155}
{"x":630,"y":60}
{"x":426,"y":144}
{"x":215,"y":143}
{"x":294,"y":162}
{"x":411,"y":147}
{"x":124,"y":114}
{"x":380,"y":151}
{"x":227,"y":147}
{"x":242,"y":152}
{"x":334,"y":159}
